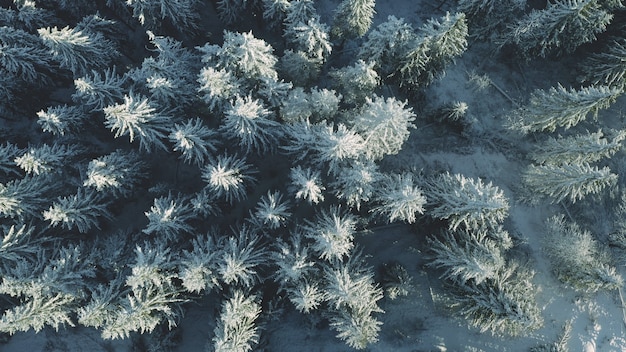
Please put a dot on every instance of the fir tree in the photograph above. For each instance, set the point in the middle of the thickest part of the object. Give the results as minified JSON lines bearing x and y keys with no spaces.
{"x":332,"y":233}
{"x":299,"y":68}
{"x":324,"y":103}
{"x":560,"y":28}
{"x":299,"y":11}
{"x":465,"y":257}
{"x":310,"y":37}
{"x":607,"y":68}
{"x":306,"y":184}
{"x":356,"y":82}
{"x":438,"y":43}
{"x":293,"y":260}
{"x":23,"y":197}
{"x":169,"y":217}
{"x":241,"y":255}
{"x":80,"y":211}
{"x":136,"y":117}
{"x":181,"y":13}
{"x":244,"y":55}
{"x":117,"y":173}
{"x":567,"y":181}
{"x":306,"y":297}
{"x":218,"y":87}
{"x":249,"y":123}
{"x":61,"y":120}
{"x":488,"y":18}
{"x":198,"y":267}
{"x":399,"y":198}
{"x":384,"y":125}
{"x":271,"y":211}
{"x":356,"y":183}
{"x":561,"y":107}
{"x":578,"y":259}
{"x":396,"y":281}
{"x":231,"y":11}
{"x":274,"y":92}
{"x":46,"y":158}
{"x":38,"y":312}
{"x":386,"y":44}
{"x":466,"y":201}
{"x":353,"y":18}
{"x":577,"y":149}
{"x":504,"y":305}
{"x":228,"y":177}
{"x":336,"y":145}
{"x":236,"y":330}
{"x":275,"y":11}
{"x":194,"y":141}
{"x":17,"y":245}
{"x":97,"y":91}
{"x":8,"y":153}
{"x":27,"y":63}
{"x":76,"y":50}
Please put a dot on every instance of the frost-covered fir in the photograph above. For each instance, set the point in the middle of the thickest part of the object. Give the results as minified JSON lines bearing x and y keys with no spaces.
{"x":23,"y":197}
{"x":61,"y":120}
{"x":194,"y":141}
{"x":117,"y":173}
{"x":80,"y":211}
{"x":399,"y":199}
{"x":46,"y":158}
{"x":353,"y":18}
{"x":271,"y":211}
{"x":241,"y":256}
{"x":169,"y":217}
{"x":306,"y":184}
{"x":567,"y":181}
{"x":356,"y":183}
{"x":236,"y":330}
{"x":466,"y":201}
{"x":180,"y":13}
{"x":385,"y":44}
{"x":310,"y":37}
{"x":137,"y":118}
{"x":576,"y":149}
{"x":560,"y":28}
{"x":332,"y":233}
{"x":608,"y":66}
{"x":96,"y":91}
{"x":561,"y":108}
{"x":356,"y":82}
{"x":578,"y":259}
{"x":228,"y":176}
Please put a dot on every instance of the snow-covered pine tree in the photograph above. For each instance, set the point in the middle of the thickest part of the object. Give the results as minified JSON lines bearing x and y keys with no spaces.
{"x":310,"y":37}
{"x":576,"y":149}
{"x":62,"y":119}
{"x":306,"y":296}
{"x":198,"y":267}
{"x":8,"y":153}
{"x":487,"y":18}
{"x":236,"y":330}
{"x":578,"y":259}
{"x":356,"y":183}
{"x":335,"y":145}
{"x":356,"y":82}
{"x":560,"y":28}
{"x":247,"y":57}
{"x":465,"y":257}
{"x":242,"y":254}
{"x":182,"y":14}
{"x":298,"y":68}
{"x":354,"y":296}
{"x":567,"y":181}
{"x":76,"y":50}
{"x":96,"y":91}
{"x":218,"y":87}
{"x":353,"y":18}
{"x":607,"y":67}
{"x":332,"y":233}
{"x":136,"y":117}
{"x":561,"y":107}
{"x":306,"y":183}
{"x":228,"y":176}
{"x":296,"y":108}
{"x":399,"y":198}
{"x":46,"y":158}
{"x":384,"y":125}
{"x":385,"y":44}
{"x":169,"y":217}
{"x":504,"y":305}
{"x":17,"y":245}
{"x":24,"y":197}
{"x":299,"y":11}
{"x":275,"y":11}
{"x":324,"y":103}
{"x":231,"y":11}
{"x":81,"y":211}
{"x":271,"y":211}
{"x":293,"y":260}
{"x":117,"y":173}
{"x":438,"y":43}
{"x":274,"y":92}
{"x":466,"y":201}
{"x":25,"y":62}
{"x":102,"y":306}
{"x":38,"y":312}
{"x":249,"y":123}
{"x":194,"y":141}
